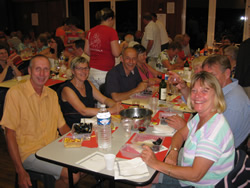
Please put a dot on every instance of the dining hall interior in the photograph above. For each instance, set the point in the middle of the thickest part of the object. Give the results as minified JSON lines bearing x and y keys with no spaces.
{"x":206,"y":22}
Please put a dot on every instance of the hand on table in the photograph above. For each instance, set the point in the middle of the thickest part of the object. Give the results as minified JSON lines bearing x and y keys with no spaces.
{"x":148,"y":156}
{"x":153,"y":81}
{"x":176,"y":122}
{"x":115,"y":109}
{"x":142,"y":86}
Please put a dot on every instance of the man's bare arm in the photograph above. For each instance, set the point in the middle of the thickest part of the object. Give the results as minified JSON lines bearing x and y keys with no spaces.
{"x":64,"y":129}
{"x":126,"y":95}
{"x":149,"y":46}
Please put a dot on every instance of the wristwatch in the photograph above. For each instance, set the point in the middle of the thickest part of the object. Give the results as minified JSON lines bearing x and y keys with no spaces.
{"x":175,"y":149}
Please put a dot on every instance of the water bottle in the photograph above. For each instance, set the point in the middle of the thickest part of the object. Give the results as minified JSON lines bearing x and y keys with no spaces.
{"x":104,"y":128}
{"x":62,"y":58}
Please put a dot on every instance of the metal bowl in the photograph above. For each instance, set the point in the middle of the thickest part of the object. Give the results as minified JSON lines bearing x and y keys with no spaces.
{"x":140,"y":116}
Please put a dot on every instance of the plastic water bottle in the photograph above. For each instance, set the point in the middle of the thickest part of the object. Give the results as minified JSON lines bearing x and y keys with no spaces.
{"x":104,"y":128}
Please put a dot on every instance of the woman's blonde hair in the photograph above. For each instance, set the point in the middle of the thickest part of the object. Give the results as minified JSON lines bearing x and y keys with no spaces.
{"x":76,"y":61}
{"x":198,"y":61}
{"x":211,"y":81}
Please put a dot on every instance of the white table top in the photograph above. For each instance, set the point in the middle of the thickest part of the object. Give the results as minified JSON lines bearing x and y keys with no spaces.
{"x":55,"y":152}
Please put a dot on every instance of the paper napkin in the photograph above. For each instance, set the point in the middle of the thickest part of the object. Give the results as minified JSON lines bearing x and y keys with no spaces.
{"x":131,"y":169}
{"x":90,"y":162}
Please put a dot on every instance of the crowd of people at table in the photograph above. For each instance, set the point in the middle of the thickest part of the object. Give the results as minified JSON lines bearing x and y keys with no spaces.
{"x":214,"y":93}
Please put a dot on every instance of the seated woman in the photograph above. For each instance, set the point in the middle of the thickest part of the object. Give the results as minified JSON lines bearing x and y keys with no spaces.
{"x":41,"y":43}
{"x":76,"y":97}
{"x":25,"y":44}
{"x":7,"y":68}
{"x":56,"y":49}
{"x":169,"y":57}
{"x":209,"y":144}
{"x":197,"y":63}
{"x":145,"y":70}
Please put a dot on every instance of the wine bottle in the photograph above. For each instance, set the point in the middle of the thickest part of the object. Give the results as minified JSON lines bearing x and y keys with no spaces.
{"x":186,"y":65}
{"x":163,"y":89}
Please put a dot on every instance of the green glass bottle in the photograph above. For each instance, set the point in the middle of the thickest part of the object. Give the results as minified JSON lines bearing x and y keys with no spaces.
{"x":186,"y":65}
{"x":163,"y":89}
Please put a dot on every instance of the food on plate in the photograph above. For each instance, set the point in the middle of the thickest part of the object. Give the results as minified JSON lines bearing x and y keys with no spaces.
{"x":158,"y":141}
{"x":72,"y":142}
{"x":153,"y":144}
{"x":83,"y":128}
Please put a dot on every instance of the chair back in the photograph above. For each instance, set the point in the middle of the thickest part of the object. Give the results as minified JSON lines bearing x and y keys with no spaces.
{"x":240,"y":175}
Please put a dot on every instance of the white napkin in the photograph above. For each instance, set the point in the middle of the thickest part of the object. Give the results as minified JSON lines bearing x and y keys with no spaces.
{"x":89,"y":120}
{"x":131,"y":169}
{"x":91,"y":161}
{"x":164,"y":129}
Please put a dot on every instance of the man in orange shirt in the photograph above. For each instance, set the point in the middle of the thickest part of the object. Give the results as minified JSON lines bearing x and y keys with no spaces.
{"x":61,"y":31}
{"x":31,"y":118}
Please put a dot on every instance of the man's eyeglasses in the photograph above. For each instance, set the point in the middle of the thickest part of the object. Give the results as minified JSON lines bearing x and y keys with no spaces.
{"x":82,"y":68}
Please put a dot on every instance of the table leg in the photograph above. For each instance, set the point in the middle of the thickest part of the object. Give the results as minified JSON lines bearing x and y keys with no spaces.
{"x":111,"y":183}
{"x":70,"y":175}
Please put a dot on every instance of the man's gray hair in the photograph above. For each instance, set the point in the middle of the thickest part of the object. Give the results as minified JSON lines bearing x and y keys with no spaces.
{"x":232,"y":51}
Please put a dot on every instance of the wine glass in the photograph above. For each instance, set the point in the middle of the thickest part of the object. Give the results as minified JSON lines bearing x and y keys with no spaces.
{"x":173,"y":85}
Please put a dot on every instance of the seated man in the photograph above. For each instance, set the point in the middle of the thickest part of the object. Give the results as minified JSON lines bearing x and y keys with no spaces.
{"x":169,"y":58}
{"x":78,"y":49}
{"x":31,"y":118}
{"x":124,"y":79}
{"x":232,"y":53}
{"x":237,"y":112}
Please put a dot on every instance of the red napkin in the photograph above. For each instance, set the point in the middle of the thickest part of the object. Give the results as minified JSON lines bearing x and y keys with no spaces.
{"x":176,"y":99}
{"x":92,"y":143}
{"x":156,"y":118}
{"x":155,"y":94}
{"x":160,"y":155}
{"x":125,"y":106}
{"x":51,"y":82}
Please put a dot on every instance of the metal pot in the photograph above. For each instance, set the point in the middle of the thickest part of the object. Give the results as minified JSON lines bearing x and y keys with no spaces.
{"x":140,"y":116}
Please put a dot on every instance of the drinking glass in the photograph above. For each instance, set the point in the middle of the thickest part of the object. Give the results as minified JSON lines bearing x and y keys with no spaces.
{"x":127,"y":124}
{"x":173,"y":86}
{"x":153,"y":104}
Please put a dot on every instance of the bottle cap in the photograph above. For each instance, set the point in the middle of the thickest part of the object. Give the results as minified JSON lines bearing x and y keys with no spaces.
{"x":166,"y":77}
{"x":102,"y":105}
{"x":163,"y":76}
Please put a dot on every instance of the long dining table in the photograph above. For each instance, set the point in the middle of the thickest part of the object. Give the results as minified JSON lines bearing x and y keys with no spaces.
{"x":72,"y":158}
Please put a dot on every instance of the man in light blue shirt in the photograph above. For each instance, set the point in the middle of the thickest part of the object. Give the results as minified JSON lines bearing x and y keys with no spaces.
{"x":237,"y":112}
{"x":238,"y":106}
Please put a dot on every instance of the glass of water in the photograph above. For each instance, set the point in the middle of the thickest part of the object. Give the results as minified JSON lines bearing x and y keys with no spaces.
{"x":127,"y":124}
